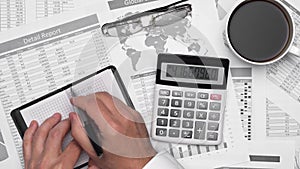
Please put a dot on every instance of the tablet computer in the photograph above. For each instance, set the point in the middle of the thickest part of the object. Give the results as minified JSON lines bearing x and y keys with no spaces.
{"x":104,"y":80}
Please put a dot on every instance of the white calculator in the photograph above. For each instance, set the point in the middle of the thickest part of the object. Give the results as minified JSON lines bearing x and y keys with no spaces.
{"x":190,"y":99}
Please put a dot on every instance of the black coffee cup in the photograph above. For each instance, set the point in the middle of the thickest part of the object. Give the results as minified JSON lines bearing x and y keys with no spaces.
{"x":260,"y":31}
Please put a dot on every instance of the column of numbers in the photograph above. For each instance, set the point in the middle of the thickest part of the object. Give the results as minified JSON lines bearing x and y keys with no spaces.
{"x":279,"y":123}
{"x":47,"y":8}
{"x":285,"y":74}
{"x":144,"y":91}
{"x":12,"y":14}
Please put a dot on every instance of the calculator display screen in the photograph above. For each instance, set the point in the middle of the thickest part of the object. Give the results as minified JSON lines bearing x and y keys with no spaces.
{"x":195,"y":74}
{"x":192,"y":72}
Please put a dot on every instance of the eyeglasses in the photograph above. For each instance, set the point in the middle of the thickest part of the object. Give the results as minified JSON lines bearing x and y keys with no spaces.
{"x":155,"y":17}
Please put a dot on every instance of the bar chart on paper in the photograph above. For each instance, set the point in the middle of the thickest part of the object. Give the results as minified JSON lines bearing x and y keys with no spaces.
{"x":242,"y":81}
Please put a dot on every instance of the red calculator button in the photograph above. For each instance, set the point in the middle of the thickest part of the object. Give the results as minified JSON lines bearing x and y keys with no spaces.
{"x":215,"y":97}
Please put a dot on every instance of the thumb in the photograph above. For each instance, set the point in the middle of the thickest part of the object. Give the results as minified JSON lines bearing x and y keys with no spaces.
{"x":79,"y":134}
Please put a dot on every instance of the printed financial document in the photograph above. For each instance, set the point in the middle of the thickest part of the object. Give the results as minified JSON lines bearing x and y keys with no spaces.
{"x":39,"y":58}
{"x":228,"y":152}
{"x":18,"y":12}
{"x":282,"y":118}
{"x":179,"y":37}
{"x":43,"y":56}
{"x":284,"y":74}
{"x":15,"y":13}
{"x":250,"y":87}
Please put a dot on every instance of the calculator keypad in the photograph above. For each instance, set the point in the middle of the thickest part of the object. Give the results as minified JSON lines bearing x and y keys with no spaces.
{"x":189,"y":115}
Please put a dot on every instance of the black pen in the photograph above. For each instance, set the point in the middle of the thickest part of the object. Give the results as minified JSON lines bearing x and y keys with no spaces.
{"x":90,"y":127}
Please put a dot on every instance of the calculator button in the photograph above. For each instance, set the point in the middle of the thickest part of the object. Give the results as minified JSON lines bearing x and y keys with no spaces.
{"x":177,"y":93}
{"x":202,"y":105}
{"x":176,"y":103}
{"x":162,"y":122}
{"x":186,"y":134}
{"x":187,"y":124}
{"x":162,"y":112}
{"x":189,"y":104}
{"x":173,"y":133}
{"x":215,"y":106}
{"x":199,"y":130}
{"x":213,"y":126}
{"x":215,"y":97}
{"x":164,"y":92}
{"x":212,"y":136}
{"x":161,"y":132}
{"x":190,"y":94}
{"x":175,"y":113}
{"x":188,"y":114}
{"x":201,"y":115}
{"x":163,"y":102}
{"x":174,"y":123}
{"x":214,"y":116}
{"x":202,"y":95}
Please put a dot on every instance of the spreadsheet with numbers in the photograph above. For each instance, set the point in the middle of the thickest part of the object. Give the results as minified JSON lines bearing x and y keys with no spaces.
{"x":14,"y":13}
{"x":35,"y":64}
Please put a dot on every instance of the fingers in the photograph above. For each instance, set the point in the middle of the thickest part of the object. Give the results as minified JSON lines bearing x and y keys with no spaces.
{"x":56,"y":137}
{"x":79,"y":134}
{"x":27,"y":140}
{"x":89,"y":103}
{"x":95,"y":104}
{"x":71,"y":154}
{"x":95,"y":109}
{"x":118,"y":109}
{"x":81,"y":102}
{"x":41,"y":134}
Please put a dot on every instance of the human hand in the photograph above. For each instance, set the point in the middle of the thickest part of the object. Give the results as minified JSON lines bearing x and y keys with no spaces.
{"x":124,"y":137}
{"x":42,"y":145}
